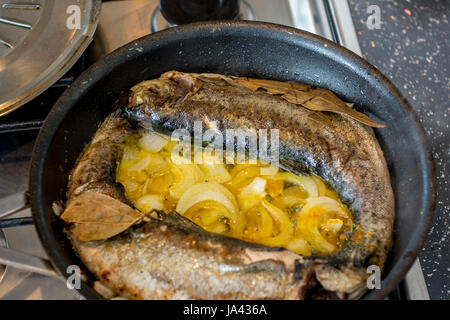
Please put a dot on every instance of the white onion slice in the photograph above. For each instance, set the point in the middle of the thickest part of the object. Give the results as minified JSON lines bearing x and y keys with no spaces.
{"x":207,"y":191}
{"x":153,"y":142}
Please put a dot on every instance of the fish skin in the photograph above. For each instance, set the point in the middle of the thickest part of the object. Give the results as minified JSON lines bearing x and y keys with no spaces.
{"x":95,"y":169}
{"x":163,"y":260}
{"x":345,"y":153}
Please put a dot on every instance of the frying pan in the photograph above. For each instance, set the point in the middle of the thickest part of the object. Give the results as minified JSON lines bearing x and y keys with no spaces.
{"x":250,"y":49}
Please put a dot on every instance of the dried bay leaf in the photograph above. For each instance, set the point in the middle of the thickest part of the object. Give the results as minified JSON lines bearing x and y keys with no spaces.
{"x":272,"y":86}
{"x":325,"y":100}
{"x":214,"y":78}
{"x":314,"y":99}
{"x":318,"y":119}
{"x":311,"y":98}
{"x":95,"y":216}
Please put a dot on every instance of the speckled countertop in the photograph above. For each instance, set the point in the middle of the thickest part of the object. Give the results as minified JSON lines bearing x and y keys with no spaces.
{"x":412,"y":48}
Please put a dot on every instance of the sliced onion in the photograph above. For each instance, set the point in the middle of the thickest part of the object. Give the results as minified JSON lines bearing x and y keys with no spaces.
{"x":274,"y":187}
{"x":208,"y":191}
{"x":185,"y":176}
{"x":243,"y":177}
{"x":293,"y":196}
{"x":307,"y":183}
{"x":210,"y":216}
{"x":159,"y":183}
{"x":157,"y":164}
{"x":130,"y":154}
{"x":310,"y":218}
{"x":332,"y":225}
{"x":239,"y":167}
{"x":259,"y":224}
{"x":323,"y":190}
{"x":133,"y":190}
{"x":252,"y":194}
{"x":153,"y":142}
{"x":284,"y":224}
{"x":217,"y":227}
{"x":215,"y":173}
{"x":149,"y":202}
{"x":321,"y":187}
{"x":300,"y":246}
{"x":141,"y":164}
{"x":266,"y":229}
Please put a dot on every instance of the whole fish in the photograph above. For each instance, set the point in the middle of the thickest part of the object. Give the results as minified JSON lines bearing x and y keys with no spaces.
{"x":169,"y":257}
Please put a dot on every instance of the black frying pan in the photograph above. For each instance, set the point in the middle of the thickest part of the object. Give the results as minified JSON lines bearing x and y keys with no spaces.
{"x":243,"y":49}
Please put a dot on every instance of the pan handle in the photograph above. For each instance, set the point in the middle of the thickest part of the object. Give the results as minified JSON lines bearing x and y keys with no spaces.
{"x":18,"y":204}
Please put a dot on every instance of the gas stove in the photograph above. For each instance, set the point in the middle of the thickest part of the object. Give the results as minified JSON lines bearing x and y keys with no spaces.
{"x":120,"y":23}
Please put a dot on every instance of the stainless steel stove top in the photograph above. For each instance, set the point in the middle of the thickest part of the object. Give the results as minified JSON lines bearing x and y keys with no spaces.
{"x":125,"y":21}
{"x":120,"y":23}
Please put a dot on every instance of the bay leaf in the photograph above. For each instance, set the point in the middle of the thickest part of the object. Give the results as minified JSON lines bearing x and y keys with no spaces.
{"x":311,"y":98}
{"x":291,"y":91}
{"x":318,"y":119}
{"x":215,"y":78}
{"x":95,"y":216}
{"x":272,"y":86}
{"x":325,"y":100}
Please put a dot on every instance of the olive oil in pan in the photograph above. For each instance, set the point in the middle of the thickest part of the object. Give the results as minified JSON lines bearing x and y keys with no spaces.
{"x":281,"y":209}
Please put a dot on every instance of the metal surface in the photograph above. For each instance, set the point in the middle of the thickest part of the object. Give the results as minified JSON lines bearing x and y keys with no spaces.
{"x":182,"y":12}
{"x":15,"y":222}
{"x":416,"y":288}
{"x":128,"y":20}
{"x":26,"y":262}
{"x":31,"y":115}
{"x":7,"y":44}
{"x":23,"y":6}
{"x":29,"y":275}
{"x":158,"y":22}
{"x":255,"y":50}
{"x":15,"y":23}
{"x":42,"y":47}
{"x":13,"y":203}
{"x":28,"y":270}
{"x":343,"y":22}
{"x":3,"y":244}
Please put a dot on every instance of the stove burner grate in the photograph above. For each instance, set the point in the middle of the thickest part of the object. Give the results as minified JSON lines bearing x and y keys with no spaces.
{"x":159,"y":22}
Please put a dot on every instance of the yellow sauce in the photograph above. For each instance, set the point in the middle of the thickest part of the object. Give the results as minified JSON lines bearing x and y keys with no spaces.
{"x":280,"y":209}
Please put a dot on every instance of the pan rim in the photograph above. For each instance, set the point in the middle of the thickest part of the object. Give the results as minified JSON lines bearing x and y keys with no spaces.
{"x":331,"y":50}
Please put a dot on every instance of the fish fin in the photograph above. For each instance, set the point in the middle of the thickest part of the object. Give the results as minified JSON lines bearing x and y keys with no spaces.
{"x":346,"y":282}
{"x":178,"y":221}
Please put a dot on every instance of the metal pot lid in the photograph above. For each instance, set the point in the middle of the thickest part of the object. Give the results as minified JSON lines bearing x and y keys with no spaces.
{"x":40,"y":40}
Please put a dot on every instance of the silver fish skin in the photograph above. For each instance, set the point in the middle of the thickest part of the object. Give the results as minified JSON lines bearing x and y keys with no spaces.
{"x":174,"y":259}
{"x":95,"y":169}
